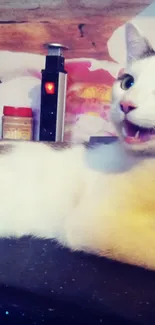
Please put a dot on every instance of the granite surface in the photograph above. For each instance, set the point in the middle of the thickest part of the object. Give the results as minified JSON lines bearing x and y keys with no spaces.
{"x":42,"y":283}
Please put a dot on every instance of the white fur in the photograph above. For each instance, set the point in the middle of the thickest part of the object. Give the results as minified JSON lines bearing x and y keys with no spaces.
{"x":81,"y":198}
{"x":142,"y":93}
{"x":99,"y":200}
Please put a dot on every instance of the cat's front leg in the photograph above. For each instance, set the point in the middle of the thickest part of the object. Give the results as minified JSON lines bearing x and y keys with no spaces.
{"x":124,"y":238}
{"x":86,"y":230}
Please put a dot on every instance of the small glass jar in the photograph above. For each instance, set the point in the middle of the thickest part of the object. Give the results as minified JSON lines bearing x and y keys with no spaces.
{"x":17,"y":123}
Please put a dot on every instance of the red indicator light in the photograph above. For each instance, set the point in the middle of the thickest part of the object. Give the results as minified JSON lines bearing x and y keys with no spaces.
{"x":50,"y":88}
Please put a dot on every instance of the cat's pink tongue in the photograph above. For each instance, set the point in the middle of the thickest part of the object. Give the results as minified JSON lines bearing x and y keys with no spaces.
{"x":141,"y":139}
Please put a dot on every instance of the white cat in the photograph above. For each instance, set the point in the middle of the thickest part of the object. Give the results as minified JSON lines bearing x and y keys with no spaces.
{"x":99,"y":200}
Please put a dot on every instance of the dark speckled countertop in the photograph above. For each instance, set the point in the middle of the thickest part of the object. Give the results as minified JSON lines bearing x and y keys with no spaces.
{"x":41,"y":282}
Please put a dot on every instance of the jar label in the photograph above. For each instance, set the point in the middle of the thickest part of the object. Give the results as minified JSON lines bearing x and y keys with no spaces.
{"x":16,"y":133}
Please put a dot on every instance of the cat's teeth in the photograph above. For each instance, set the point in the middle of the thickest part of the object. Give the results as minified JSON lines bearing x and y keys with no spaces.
{"x":124,"y":132}
{"x":137,"y":135}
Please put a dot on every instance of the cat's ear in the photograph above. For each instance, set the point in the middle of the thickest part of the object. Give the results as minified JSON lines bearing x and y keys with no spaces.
{"x":120,"y":72}
{"x":137,"y":45}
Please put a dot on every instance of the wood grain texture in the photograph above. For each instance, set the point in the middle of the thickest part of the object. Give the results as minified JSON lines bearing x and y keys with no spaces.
{"x":85,"y":25}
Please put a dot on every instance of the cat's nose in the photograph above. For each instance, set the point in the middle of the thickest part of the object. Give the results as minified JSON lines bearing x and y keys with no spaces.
{"x":127,"y":106}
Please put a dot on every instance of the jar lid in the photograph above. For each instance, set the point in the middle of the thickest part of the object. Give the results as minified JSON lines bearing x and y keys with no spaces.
{"x":17,"y":111}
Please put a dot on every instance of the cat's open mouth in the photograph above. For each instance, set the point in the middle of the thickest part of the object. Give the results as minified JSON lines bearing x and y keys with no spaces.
{"x":134,"y":134}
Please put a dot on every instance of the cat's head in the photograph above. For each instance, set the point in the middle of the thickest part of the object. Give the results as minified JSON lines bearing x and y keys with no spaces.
{"x":133,"y":95}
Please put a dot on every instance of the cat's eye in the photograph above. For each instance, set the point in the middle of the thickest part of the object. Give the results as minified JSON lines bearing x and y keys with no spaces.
{"x":127,"y":82}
